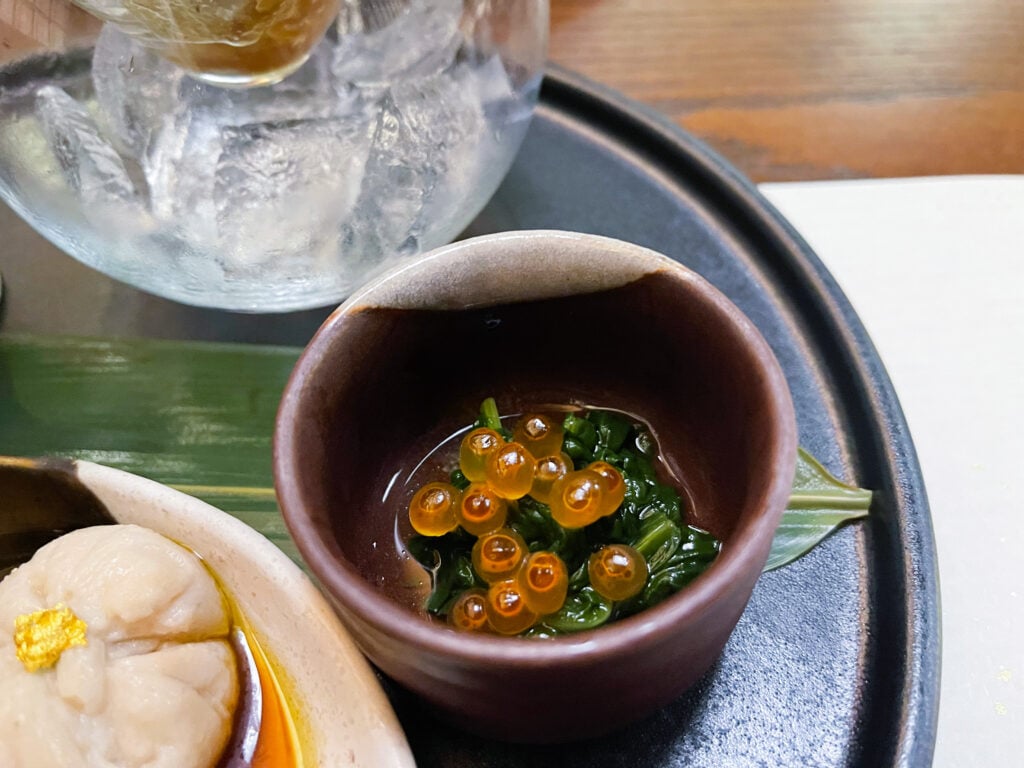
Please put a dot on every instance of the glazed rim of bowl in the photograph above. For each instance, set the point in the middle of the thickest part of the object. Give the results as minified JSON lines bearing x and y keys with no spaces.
{"x":395,"y":289}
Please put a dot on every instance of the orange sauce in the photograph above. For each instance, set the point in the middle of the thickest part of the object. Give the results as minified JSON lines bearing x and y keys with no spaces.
{"x":278,"y":744}
{"x":283,"y":740}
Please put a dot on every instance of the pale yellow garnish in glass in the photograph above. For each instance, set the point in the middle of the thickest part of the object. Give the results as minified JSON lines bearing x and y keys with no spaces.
{"x":41,"y":637}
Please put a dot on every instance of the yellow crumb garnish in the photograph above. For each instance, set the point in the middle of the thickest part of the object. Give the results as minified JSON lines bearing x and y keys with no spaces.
{"x":41,"y":637}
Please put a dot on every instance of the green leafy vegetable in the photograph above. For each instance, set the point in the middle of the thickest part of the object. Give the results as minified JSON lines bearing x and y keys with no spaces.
{"x":196,"y":416}
{"x":585,"y":609}
{"x":611,"y":428}
{"x":458,"y":479}
{"x":818,"y":505}
{"x":490,"y":418}
{"x":583,"y":431}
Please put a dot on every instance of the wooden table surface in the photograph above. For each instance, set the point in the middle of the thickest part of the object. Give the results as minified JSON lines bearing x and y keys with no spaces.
{"x":817,"y":89}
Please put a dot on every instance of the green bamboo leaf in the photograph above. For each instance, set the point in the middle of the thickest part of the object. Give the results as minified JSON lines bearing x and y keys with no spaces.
{"x":817,"y":506}
{"x":195,"y":416}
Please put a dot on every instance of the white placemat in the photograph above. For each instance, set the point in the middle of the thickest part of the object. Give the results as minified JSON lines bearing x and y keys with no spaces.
{"x":932,"y":268}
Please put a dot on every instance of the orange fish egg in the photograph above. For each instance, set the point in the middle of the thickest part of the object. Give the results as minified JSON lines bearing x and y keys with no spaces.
{"x":474,"y":450}
{"x":614,"y":486}
{"x":507,"y":610}
{"x":432,"y":509}
{"x":577,"y":499}
{"x":498,"y":555}
{"x":617,"y":571}
{"x":549,"y":470}
{"x":544,"y":582}
{"x":509,"y":471}
{"x":481,"y":510}
{"x":541,"y":435}
{"x":469,"y":613}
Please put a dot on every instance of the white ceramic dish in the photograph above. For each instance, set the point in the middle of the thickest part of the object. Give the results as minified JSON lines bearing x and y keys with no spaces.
{"x":346,"y":718}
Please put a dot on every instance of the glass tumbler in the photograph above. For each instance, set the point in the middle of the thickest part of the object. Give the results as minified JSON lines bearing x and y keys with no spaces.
{"x":260,"y":155}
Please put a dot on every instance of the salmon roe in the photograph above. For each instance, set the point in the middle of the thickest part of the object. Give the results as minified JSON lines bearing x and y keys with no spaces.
{"x":498,"y":555}
{"x":540,"y":435}
{"x":432,"y":509}
{"x":544,"y":582}
{"x":507,"y":609}
{"x":469,"y":613}
{"x":577,"y":500}
{"x":509,"y":470}
{"x":474,"y":450}
{"x":617,"y":571}
{"x":547,"y":472}
{"x":481,"y":510}
{"x":614,"y":486}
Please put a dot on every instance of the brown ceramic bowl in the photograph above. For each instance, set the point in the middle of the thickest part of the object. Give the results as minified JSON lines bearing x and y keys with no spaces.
{"x":532,"y":318}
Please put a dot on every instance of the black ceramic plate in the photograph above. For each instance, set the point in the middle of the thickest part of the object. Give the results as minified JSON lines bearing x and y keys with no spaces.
{"x":836,"y":660}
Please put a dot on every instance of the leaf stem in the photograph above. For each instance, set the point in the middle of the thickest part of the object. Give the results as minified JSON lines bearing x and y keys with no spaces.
{"x":654,"y":537}
{"x":846,"y":499}
{"x":489,"y":413}
{"x":226,"y":490}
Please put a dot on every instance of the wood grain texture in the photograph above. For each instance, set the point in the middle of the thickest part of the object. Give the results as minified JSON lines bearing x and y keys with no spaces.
{"x":34,"y":26}
{"x":810,"y":89}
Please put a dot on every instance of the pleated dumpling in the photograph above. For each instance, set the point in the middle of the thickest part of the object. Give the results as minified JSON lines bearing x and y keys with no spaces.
{"x":114,"y":651}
